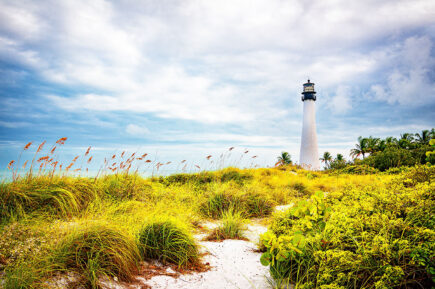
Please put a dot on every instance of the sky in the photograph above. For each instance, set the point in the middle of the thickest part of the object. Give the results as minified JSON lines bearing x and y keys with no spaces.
{"x":187,"y":79}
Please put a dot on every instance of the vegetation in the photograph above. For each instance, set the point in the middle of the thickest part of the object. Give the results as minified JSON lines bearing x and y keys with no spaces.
{"x":231,"y":227}
{"x":351,"y":226}
{"x":168,"y":242}
{"x":97,"y":249}
{"x":284,"y":159}
{"x":378,"y":236}
{"x":384,"y":154}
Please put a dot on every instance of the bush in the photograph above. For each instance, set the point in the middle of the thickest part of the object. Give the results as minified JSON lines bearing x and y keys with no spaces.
{"x":369,"y":237}
{"x":168,"y":242}
{"x":391,"y":157}
{"x":96,"y":250}
{"x":231,"y":227}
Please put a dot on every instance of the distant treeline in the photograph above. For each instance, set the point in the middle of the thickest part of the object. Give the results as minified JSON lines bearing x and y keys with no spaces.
{"x":382,"y":154}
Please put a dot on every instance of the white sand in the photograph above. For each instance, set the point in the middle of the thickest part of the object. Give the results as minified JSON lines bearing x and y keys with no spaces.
{"x":234,"y":265}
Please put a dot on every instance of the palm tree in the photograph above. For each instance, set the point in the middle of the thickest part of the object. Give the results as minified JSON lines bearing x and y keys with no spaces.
{"x":405,"y":140}
{"x":382,"y":145}
{"x":360,"y":148}
{"x":339,"y":157}
{"x":284,"y":159}
{"x":372,"y":144}
{"x":424,"y":137}
{"x":327,"y":158}
{"x":391,"y":141}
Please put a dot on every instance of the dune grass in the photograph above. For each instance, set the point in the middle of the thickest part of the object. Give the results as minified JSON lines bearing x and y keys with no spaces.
{"x":107,"y":225}
{"x":168,"y":241}
{"x":97,"y":249}
{"x":231,"y":226}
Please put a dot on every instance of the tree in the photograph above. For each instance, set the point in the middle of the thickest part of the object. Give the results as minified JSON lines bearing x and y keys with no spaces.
{"x":424,"y":137}
{"x":284,"y":159}
{"x":405,"y":141}
{"x":391,"y":157}
{"x":372,"y":144}
{"x":338,"y":163}
{"x":327,"y":158}
{"x":391,"y":141}
{"x":360,"y":148}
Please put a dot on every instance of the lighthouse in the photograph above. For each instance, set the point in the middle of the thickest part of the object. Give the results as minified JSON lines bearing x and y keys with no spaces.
{"x":309,"y":154}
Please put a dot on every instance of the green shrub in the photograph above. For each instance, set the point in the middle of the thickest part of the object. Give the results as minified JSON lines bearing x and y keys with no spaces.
{"x":96,"y":250}
{"x":369,"y":237}
{"x":231,"y":227}
{"x":392,"y":157}
{"x":168,"y":242}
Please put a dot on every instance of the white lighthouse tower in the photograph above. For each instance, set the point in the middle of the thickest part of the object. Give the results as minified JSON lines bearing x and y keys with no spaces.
{"x":309,"y":154}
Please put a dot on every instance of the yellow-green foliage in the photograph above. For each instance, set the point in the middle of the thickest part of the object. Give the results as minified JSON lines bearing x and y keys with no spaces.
{"x":377,"y":236}
{"x":97,"y":249}
{"x":63,"y":196}
{"x":231,"y":227}
{"x":169,"y":242}
{"x":42,"y":215}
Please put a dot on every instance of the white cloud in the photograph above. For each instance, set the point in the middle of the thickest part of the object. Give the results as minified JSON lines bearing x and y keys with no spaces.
{"x":221,"y":63}
{"x":136,"y":130}
{"x":341,"y":101}
{"x":410,"y":81}
{"x":204,"y":61}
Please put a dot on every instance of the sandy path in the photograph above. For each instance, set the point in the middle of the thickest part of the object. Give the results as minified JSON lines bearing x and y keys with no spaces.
{"x":234,"y":265}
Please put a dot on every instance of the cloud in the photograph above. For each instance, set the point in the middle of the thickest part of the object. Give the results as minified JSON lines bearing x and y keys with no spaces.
{"x":216,"y":71}
{"x":341,"y":102}
{"x":138,"y":131}
{"x":411,"y":79}
{"x":13,"y":124}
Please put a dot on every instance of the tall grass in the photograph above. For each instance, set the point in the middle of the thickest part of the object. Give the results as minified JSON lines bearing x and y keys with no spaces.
{"x":102,"y":226}
{"x":168,"y":242}
{"x":97,"y":249}
{"x":61,"y":196}
{"x":231,"y":226}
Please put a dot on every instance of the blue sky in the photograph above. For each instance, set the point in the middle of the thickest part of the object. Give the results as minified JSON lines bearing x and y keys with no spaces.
{"x":185,"y":79}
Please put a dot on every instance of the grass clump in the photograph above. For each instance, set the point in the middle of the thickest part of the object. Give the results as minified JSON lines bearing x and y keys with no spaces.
{"x":219,"y":202}
{"x":231,"y":227}
{"x":22,"y":275}
{"x":256,"y":205}
{"x":168,"y":242}
{"x":96,"y":250}
{"x":59,"y":196}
